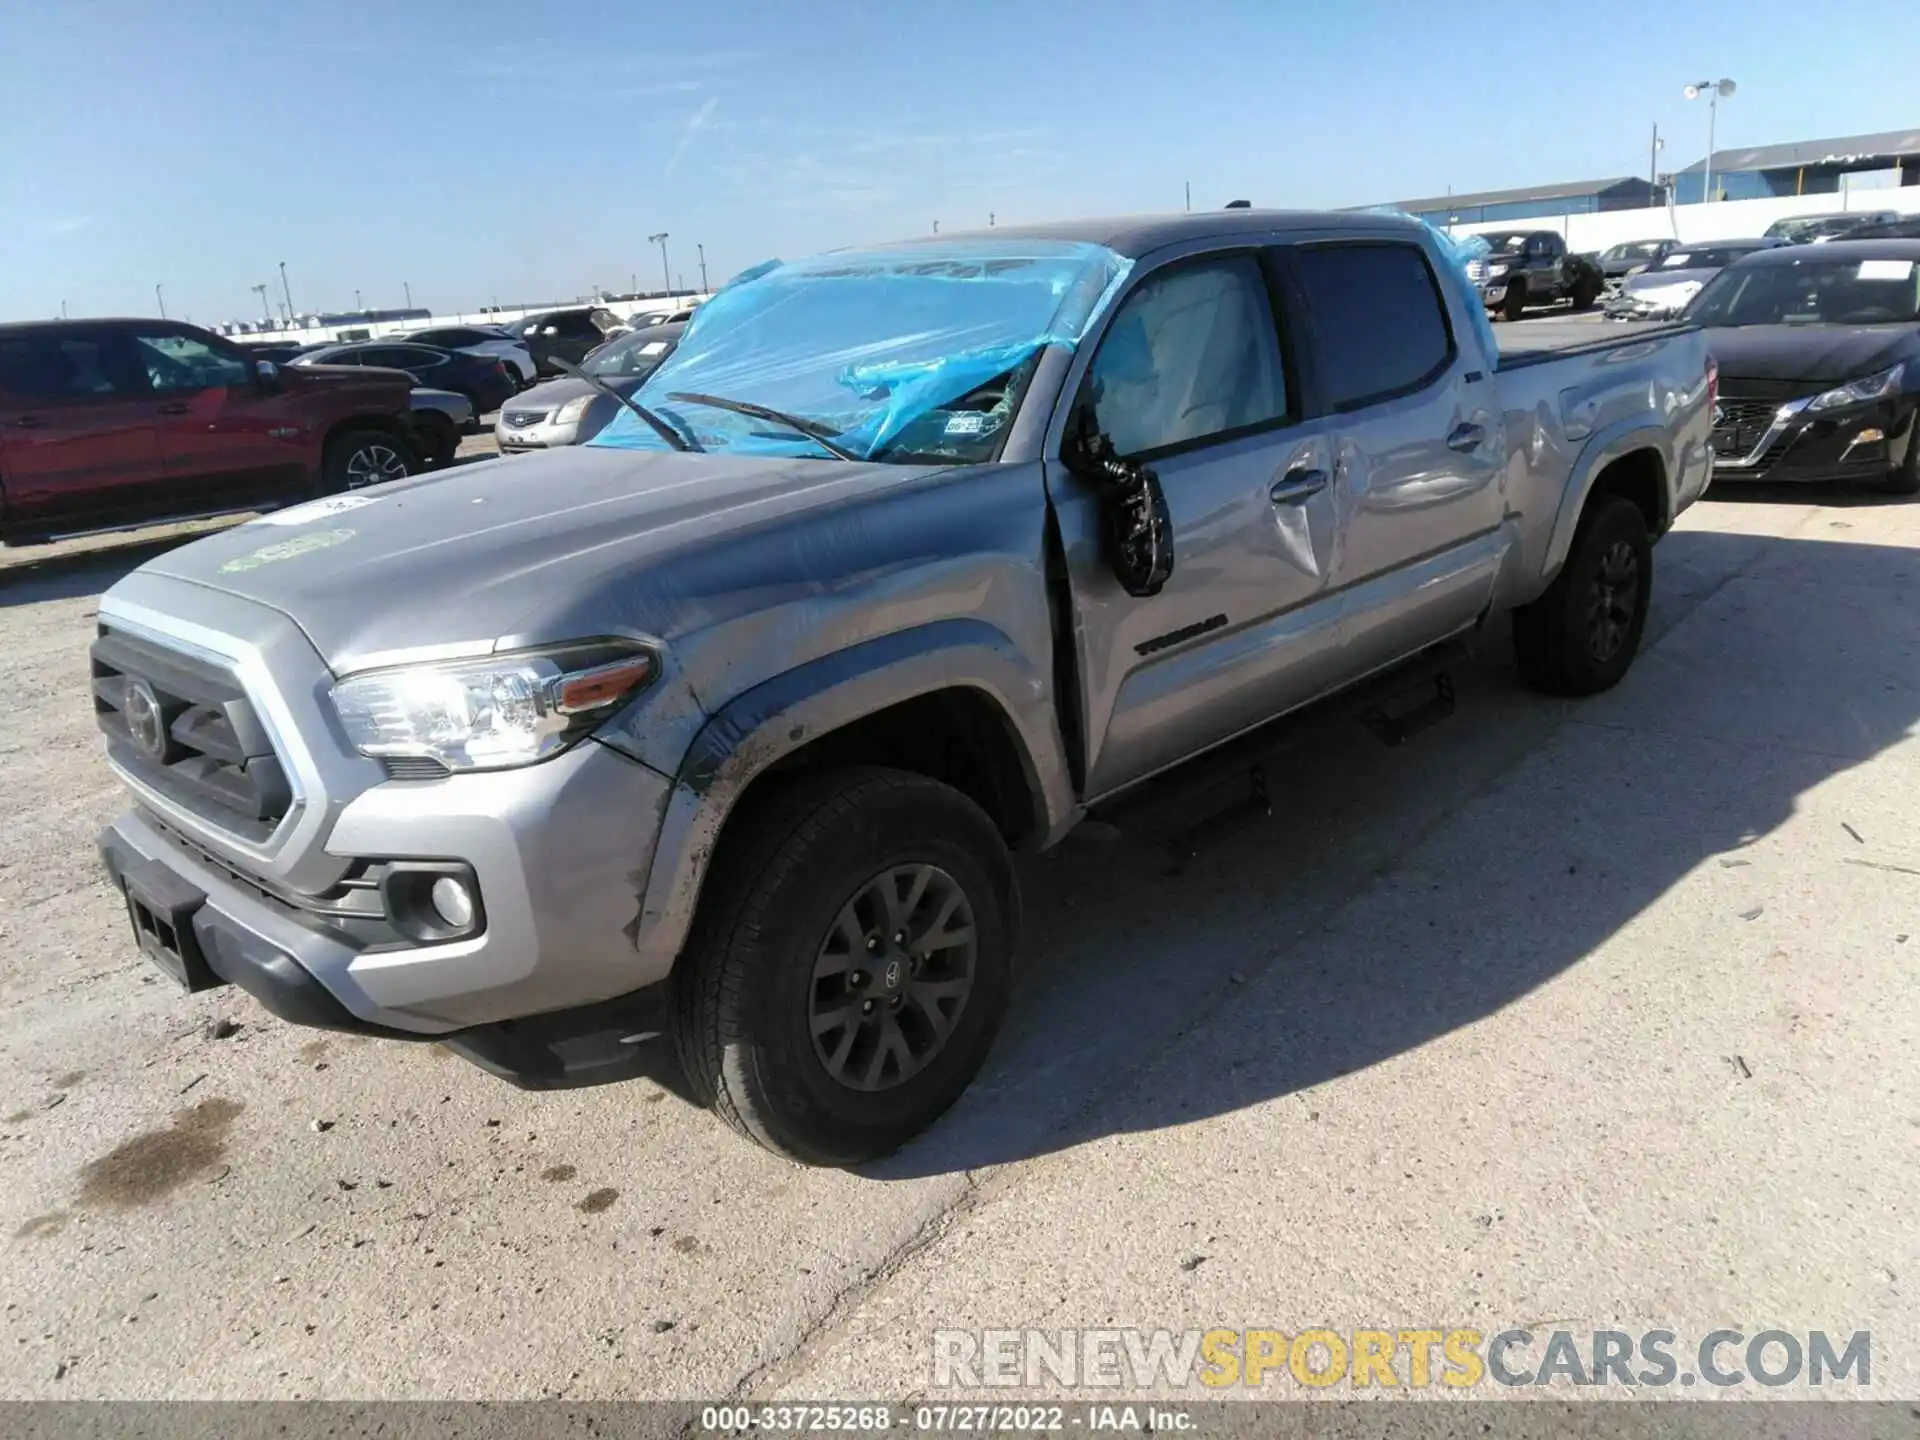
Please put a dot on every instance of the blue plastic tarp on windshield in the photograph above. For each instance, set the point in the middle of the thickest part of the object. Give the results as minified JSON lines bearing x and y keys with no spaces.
{"x":866,"y":343}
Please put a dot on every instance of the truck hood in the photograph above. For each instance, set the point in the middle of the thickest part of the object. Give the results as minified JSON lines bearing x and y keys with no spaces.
{"x":530,"y":550}
{"x":1816,"y":353}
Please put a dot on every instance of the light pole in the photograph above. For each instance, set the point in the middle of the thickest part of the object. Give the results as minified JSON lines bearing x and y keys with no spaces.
{"x":1714,"y":90}
{"x":703,"y":267}
{"x":265,"y":313}
{"x":358,"y":303}
{"x":163,"y":301}
{"x":285,"y":290}
{"x":666,"y":275}
{"x":1653,"y":158}
{"x":409,"y":289}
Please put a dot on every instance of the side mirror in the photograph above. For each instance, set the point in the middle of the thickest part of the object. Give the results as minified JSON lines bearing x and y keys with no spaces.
{"x":1136,"y":528}
{"x":266,"y":375}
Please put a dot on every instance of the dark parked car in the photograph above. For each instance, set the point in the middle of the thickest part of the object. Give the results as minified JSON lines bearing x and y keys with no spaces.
{"x":1620,"y":261}
{"x":1533,"y":267}
{"x":440,"y":418}
{"x":1813,"y":229}
{"x":1662,"y":292}
{"x":488,"y":340}
{"x":568,"y":334}
{"x":483,"y":379}
{"x":110,"y":424}
{"x":1905,"y":228}
{"x":569,"y":411}
{"x":1819,"y":351}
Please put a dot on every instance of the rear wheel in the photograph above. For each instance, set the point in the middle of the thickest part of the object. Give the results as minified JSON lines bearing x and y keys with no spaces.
{"x":360,"y":458}
{"x":1580,"y":637}
{"x":1586,"y":290}
{"x":850,"y":965}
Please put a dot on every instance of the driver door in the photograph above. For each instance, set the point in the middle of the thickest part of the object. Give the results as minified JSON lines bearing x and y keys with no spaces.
{"x":217,"y":424}
{"x":1192,"y":378}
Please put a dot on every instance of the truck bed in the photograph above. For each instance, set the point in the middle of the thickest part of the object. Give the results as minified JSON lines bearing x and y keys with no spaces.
{"x":1531,"y":342}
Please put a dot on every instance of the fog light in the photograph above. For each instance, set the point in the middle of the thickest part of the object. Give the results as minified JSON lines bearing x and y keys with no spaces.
{"x":1869,"y":437}
{"x":452,"y":903}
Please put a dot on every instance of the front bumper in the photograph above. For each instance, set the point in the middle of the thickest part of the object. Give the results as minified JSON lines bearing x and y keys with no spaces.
{"x":542,"y":435}
{"x":1858,"y":443}
{"x":561,"y":852}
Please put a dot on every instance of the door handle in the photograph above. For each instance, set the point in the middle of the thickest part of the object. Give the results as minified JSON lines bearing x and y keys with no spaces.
{"x":1466,"y":437}
{"x":29,"y":422}
{"x":1296,"y":485}
{"x":174,"y":407}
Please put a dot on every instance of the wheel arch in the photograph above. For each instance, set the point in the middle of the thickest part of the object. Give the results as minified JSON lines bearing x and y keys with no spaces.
{"x":955,"y":700}
{"x":1631,"y":461}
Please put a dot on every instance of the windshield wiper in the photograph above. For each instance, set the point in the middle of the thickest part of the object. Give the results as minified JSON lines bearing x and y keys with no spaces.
{"x":811,"y":429}
{"x":654,"y":423}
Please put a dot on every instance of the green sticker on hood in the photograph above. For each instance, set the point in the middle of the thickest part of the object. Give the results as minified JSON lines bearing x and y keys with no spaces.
{"x":287,"y":550}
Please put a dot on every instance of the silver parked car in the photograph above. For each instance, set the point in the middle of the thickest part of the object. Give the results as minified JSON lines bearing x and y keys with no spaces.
{"x":567,"y":411}
{"x":1663,"y":291}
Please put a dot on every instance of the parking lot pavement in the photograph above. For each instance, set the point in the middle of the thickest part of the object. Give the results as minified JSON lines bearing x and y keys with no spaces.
{"x":1590,"y":1013}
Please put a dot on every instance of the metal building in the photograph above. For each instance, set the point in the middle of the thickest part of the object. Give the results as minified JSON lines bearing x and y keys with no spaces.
{"x":1806,"y":167}
{"x":1536,"y":202}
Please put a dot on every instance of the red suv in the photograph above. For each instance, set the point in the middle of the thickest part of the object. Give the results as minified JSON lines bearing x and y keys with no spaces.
{"x":110,"y":424}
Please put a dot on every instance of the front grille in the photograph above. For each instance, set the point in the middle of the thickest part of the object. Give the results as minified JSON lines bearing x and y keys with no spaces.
{"x":414,"y":767}
{"x":1739,"y":425}
{"x":186,"y":729}
{"x":1476,"y":270}
{"x":521,"y":419}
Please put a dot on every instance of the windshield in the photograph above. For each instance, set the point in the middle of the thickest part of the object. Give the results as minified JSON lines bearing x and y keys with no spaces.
{"x":1639,"y":250}
{"x":1709,"y":259}
{"x":915,"y":354}
{"x":1812,"y":291}
{"x":1507,"y":244}
{"x":629,"y":357}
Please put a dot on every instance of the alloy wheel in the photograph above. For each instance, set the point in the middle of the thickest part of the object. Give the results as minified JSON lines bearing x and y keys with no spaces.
{"x":373,"y":464}
{"x":1613,"y":598}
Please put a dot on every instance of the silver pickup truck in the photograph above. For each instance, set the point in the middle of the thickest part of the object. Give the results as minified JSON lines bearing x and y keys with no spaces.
{"x":909,"y":557}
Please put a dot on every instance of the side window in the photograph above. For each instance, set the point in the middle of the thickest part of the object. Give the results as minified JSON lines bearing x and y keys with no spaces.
{"x":1378,"y":321}
{"x":175,"y":361}
{"x":413,"y":358}
{"x":62,"y":367}
{"x":1190,"y":353}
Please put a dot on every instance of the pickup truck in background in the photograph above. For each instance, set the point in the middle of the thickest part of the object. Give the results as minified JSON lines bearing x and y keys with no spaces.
{"x":1534,"y":267}
{"x":732,"y":717}
{"x":113,"y":424}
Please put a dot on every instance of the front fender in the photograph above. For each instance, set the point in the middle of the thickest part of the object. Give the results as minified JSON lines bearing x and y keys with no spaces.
{"x":776,"y":717}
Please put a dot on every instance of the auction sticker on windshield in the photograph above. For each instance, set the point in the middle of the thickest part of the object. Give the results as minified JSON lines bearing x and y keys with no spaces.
{"x":1886,"y":269}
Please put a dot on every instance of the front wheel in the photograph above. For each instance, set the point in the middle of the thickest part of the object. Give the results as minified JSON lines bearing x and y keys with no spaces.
{"x":850,"y":965}
{"x":1580,"y":637}
{"x":1586,"y":290}
{"x":1905,"y":479}
{"x":360,"y":458}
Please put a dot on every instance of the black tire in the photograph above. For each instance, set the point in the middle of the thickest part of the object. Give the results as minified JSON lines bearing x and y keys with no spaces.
{"x":1905,"y":480}
{"x":1586,"y":290}
{"x":436,"y":442}
{"x":1515,"y":303}
{"x":747,"y":991}
{"x":1580,"y":637}
{"x":358,"y":458}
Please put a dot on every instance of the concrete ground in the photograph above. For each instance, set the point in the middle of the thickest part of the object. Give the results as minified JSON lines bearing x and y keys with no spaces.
{"x":1576,"y":1015}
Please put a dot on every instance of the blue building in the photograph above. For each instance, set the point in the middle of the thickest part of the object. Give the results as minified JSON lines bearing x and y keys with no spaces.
{"x":1536,"y":202}
{"x":1805,"y":167}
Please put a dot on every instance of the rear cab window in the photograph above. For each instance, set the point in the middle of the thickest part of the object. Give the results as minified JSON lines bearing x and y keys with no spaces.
{"x":50,"y":366}
{"x":1376,"y":319}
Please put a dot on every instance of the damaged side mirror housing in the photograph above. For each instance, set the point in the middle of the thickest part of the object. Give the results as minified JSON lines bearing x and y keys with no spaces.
{"x":1136,"y":531}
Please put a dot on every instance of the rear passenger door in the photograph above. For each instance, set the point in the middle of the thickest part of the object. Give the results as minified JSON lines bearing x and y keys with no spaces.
{"x":1190,"y":376}
{"x":1419,"y":447}
{"x":79,"y":440}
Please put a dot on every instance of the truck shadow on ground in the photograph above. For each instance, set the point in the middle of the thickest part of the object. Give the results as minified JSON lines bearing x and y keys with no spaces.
{"x":1394,"y":896}
{"x":35,"y":578}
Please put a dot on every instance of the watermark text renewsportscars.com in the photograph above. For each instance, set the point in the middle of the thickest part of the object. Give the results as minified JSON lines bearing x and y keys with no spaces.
{"x":1451,"y":1357}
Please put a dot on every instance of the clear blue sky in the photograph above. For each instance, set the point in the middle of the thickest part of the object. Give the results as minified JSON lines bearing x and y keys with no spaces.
{"x":525,"y":150}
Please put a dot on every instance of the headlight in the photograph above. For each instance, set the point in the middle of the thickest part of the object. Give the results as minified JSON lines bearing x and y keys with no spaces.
{"x":1495,"y":271}
{"x":495,"y":713}
{"x":1859,"y":392}
{"x":570,"y":413}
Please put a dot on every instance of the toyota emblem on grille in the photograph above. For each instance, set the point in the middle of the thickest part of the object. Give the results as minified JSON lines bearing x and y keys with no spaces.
{"x":145,"y":724}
